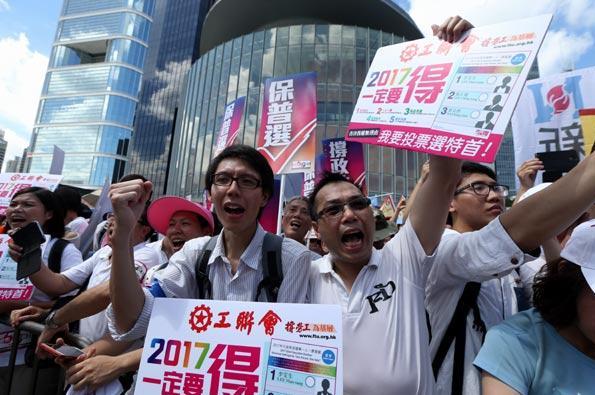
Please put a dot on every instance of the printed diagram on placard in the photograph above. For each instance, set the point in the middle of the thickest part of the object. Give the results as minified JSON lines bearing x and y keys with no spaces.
{"x":300,"y":368}
{"x":478,"y":92}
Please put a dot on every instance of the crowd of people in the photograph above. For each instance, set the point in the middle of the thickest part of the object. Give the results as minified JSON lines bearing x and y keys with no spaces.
{"x":464,"y":297}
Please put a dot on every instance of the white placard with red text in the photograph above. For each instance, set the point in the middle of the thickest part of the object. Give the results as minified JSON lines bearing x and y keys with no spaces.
{"x":10,"y":288}
{"x":219,"y":347}
{"x":11,"y":183}
{"x":448,"y":99}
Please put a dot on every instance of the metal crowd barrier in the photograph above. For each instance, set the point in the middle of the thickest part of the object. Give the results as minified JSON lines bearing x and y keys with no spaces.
{"x":35,"y":328}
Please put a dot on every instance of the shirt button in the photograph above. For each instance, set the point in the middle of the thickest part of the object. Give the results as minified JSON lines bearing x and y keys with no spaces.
{"x":514,"y":261}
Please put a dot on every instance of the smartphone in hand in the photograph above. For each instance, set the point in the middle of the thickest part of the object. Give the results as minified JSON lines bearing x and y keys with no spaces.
{"x":30,"y":238}
{"x":65,"y":351}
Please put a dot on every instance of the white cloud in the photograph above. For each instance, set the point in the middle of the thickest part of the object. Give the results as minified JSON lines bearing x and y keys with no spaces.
{"x":579,"y":12}
{"x":22,"y":72}
{"x":15,"y":146}
{"x":4,"y":6}
{"x":561,"y":50}
{"x":166,"y":79}
{"x":479,"y":12}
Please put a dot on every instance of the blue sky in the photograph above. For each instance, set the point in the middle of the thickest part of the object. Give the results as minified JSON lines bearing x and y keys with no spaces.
{"x":27,"y":29}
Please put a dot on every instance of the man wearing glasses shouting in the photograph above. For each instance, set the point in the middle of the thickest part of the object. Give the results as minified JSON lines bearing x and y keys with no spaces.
{"x":239,"y":182}
{"x":381,"y":292}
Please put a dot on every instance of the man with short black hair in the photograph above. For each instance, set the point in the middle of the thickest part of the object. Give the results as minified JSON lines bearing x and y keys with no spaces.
{"x":240,"y":182}
{"x":470,"y":287}
{"x":296,"y":221}
{"x":380,"y":291}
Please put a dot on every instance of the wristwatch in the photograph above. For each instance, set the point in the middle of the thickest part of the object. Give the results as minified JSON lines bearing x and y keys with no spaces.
{"x":49,"y":321}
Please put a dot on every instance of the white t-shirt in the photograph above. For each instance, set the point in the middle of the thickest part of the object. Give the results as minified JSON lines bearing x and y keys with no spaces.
{"x":385,"y":337}
{"x":487,"y":256}
{"x":71,"y":257}
{"x":97,"y":269}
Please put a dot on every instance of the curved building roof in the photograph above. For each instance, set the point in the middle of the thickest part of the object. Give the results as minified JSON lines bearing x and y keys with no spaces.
{"x":229,"y":19}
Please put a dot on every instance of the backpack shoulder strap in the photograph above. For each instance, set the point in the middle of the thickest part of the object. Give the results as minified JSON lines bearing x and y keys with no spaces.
{"x":272,"y":268}
{"x":55,"y":257}
{"x":456,"y":331}
{"x":201,"y":270}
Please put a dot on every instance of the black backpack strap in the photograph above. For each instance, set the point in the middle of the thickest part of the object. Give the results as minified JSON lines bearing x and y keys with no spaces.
{"x":55,"y":257}
{"x":201,"y":270}
{"x":272,"y":269}
{"x":456,"y":331}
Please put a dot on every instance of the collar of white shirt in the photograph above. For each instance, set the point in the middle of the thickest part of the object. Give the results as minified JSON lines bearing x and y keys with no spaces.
{"x":326,"y":265}
{"x":250,"y":257}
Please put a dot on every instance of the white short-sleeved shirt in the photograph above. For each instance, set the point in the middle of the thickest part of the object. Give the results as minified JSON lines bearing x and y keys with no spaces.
{"x":385,"y":337}
{"x":177,"y":279}
{"x":97,"y":269}
{"x":71,"y":257}
{"x":487,"y":256}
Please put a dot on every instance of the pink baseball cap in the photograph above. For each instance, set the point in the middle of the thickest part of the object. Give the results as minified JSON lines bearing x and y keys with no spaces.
{"x":580,"y":249}
{"x":161,"y":210}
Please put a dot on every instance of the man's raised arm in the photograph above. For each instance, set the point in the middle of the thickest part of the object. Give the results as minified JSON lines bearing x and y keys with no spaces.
{"x":430,"y":208}
{"x":128,"y":202}
{"x":545,"y":214}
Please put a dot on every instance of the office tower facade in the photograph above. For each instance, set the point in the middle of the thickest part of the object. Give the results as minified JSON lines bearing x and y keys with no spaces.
{"x":244,"y":42}
{"x":173,"y":47}
{"x":3,"y":146}
{"x":91,"y":90}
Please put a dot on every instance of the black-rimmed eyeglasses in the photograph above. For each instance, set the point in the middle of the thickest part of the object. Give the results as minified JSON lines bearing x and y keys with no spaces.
{"x":483,"y":189}
{"x":335,"y":210}
{"x":244,"y":181}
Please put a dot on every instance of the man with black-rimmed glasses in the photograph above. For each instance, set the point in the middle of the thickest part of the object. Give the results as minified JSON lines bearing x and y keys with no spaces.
{"x":239,"y":182}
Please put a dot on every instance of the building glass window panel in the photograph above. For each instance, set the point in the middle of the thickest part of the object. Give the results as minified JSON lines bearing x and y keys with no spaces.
{"x":72,"y":7}
{"x":280,"y":62}
{"x":120,"y":110}
{"x":322,"y":32}
{"x":361,"y":66}
{"x":388,"y":184}
{"x":334,"y":34}
{"x":293,"y":60}
{"x":295,"y":35}
{"x":259,"y":40}
{"x":247,"y":45}
{"x":102,"y":26}
{"x":268,"y":63}
{"x":321,"y":61}
{"x":348,"y":35}
{"x":75,"y":109}
{"x":399,"y":187}
{"x":334,"y":64}
{"x":255,"y":69}
{"x":411,"y":164}
{"x":270,"y":38}
{"x":308,"y":59}
{"x":387,"y":38}
{"x":361,"y":37}
{"x":332,"y":131}
{"x":308,"y":34}
{"x":126,"y":51}
{"x":78,"y":80}
{"x":374,"y":159}
{"x":347,"y":65}
{"x":374,"y":36}
{"x":85,"y":141}
{"x":244,"y":76}
{"x":282,"y":36}
{"x":400,"y":162}
{"x":387,"y":160}
{"x":125,"y":80}
{"x":373,"y":184}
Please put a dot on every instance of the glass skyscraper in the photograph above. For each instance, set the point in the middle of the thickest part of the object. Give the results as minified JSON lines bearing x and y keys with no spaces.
{"x":91,"y":89}
{"x":173,"y":47}
{"x":241,"y":46}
